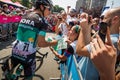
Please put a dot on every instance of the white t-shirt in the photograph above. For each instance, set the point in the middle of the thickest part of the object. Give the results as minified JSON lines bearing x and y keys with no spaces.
{"x":63,"y":29}
{"x":70,"y":19}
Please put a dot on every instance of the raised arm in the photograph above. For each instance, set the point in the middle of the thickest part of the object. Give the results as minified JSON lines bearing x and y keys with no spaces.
{"x":84,"y":38}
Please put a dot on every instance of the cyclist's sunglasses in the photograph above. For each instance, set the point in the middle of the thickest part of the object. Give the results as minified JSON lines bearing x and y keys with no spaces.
{"x":48,"y":7}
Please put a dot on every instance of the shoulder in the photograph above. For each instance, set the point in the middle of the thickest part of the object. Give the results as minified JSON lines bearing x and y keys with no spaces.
{"x":34,"y":16}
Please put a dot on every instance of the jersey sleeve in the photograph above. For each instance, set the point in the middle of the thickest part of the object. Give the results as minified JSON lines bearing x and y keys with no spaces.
{"x":42,"y":33}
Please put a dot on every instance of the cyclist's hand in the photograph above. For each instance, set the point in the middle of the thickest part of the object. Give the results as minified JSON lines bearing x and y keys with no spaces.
{"x":54,"y":42}
{"x":68,"y":41}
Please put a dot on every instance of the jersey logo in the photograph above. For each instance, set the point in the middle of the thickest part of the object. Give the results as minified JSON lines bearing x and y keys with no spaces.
{"x":27,"y":21}
{"x":31,"y":40}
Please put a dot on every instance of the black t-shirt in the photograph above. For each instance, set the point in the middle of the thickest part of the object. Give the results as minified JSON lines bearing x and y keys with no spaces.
{"x":69,"y":51}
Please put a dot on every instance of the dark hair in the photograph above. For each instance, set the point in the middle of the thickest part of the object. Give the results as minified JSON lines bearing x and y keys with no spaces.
{"x":71,"y":23}
{"x":5,"y":5}
{"x":102,"y":17}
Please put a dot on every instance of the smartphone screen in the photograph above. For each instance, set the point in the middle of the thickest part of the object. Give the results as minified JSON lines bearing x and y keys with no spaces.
{"x":102,"y":30}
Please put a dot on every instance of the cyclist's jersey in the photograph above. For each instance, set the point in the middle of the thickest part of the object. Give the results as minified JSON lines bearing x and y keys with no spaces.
{"x":30,"y":26}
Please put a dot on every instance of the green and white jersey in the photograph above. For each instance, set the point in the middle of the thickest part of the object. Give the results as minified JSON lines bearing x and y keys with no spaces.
{"x":30,"y":26}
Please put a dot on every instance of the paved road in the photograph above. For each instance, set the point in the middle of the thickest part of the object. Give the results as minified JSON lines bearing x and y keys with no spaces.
{"x":49,"y":68}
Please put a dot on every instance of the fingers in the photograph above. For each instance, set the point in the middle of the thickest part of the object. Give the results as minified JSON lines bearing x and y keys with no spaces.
{"x":119,"y":33}
{"x":92,"y":48}
{"x":109,"y":42}
{"x":100,"y":42}
{"x":95,"y":44}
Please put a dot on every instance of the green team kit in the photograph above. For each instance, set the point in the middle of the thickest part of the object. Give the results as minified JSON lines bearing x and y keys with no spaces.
{"x":24,"y":47}
{"x":29,"y":28}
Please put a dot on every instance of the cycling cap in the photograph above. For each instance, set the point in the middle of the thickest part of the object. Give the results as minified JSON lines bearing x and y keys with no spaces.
{"x":43,"y":2}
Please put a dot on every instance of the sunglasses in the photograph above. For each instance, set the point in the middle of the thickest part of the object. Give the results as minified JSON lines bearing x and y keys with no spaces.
{"x":48,"y":7}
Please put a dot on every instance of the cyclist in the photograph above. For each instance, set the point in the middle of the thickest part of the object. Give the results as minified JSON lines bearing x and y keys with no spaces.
{"x":31,"y":33}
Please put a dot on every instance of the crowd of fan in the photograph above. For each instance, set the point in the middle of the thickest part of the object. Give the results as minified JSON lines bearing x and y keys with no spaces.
{"x":10,"y":17}
{"x":62,"y":23}
{"x":88,"y":47}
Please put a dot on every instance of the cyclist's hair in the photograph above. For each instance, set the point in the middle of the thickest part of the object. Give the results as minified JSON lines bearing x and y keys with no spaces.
{"x":37,"y":3}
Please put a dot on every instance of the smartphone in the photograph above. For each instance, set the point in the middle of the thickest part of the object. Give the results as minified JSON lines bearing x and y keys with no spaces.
{"x":102,"y":30}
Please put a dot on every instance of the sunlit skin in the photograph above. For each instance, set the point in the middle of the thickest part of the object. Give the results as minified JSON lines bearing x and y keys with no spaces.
{"x":71,"y":37}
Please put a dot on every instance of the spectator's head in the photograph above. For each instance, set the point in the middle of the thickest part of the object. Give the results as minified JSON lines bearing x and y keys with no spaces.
{"x":74,"y":32}
{"x":18,"y":10}
{"x":0,"y":10}
{"x":5,"y":7}
{"x":95,"y":21}
{"x":71,"y":23}
{"x":59,"y":16}
{"x":44,"y":6}
{"x":72,"y":12}
{"x":112,"y":18}
{"x":11,"y":8}
{"x":83,"y":15}
{"x":63,"y":14}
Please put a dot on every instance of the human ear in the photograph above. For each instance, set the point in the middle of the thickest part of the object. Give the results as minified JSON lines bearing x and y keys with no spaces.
{"x":116,"y":19}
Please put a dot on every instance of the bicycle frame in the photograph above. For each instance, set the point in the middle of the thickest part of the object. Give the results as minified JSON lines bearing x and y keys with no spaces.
{"x":8,"y":73}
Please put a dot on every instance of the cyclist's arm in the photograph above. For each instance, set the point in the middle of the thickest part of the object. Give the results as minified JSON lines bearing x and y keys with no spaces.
{"x":42,"y":42}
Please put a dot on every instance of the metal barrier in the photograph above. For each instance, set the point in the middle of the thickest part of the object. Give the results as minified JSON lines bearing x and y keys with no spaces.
{"x":8,"y":25}
{"x":70,"y":69}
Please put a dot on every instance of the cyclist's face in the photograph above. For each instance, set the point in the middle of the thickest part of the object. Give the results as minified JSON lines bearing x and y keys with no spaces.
{"x":47,"y":10}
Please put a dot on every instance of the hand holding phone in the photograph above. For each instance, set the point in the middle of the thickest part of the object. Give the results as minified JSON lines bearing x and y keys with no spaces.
{"x":102,"y":30}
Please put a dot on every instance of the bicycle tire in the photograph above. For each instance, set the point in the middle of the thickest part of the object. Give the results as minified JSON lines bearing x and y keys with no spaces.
{"x":4,"y":65}
{"x":39,"y":60}
{"x":38,"y":77}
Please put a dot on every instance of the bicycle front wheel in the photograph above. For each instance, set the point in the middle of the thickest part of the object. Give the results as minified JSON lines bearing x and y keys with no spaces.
{"x":39,"y":62}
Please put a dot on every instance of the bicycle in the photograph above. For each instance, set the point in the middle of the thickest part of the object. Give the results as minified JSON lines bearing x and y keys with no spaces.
{"x":17,"y":73}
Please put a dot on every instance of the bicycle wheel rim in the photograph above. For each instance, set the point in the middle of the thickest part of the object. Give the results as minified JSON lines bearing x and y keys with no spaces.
{"x":39,"y":62}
